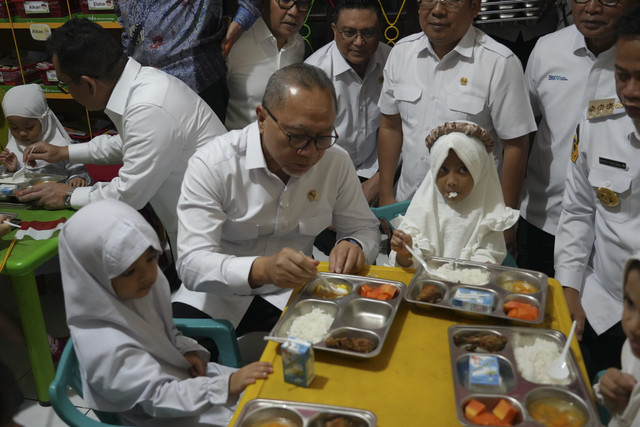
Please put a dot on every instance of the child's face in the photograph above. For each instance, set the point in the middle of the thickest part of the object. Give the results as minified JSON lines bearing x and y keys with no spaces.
{"x":138,"y":279}
{"x":25,"y":130}
{"x":454,"y":180}
{"x":631,"y":310}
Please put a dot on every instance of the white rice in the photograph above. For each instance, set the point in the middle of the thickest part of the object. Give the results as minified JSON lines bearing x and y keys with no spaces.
{"x":533,"y":360}
{"x":470,"y":276}
{"x":312,"y":326}
{"x":452,"y":195}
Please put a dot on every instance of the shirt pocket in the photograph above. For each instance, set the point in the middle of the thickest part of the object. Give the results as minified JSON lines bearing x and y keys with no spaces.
{"x":408,"y":98}
{"x":617,"y":181}
{"x":236,"y":231}
{"x":314,"y":225}
{"x":466,"y":107}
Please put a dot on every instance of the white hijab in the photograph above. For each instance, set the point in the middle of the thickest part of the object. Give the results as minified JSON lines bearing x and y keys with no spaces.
{"x":124,"y":347}
{"x":458,"y":229}
{"x":29,"y":101}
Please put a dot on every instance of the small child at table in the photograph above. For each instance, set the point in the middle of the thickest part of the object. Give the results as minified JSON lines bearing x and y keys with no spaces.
{"x":133,"y":361}
{"x":618,"y":390}
{"x":458,"y":210}
{"x":31,"y":120}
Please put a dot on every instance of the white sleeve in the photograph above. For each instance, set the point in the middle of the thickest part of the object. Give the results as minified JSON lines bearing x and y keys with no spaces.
{"x":101,"y":150}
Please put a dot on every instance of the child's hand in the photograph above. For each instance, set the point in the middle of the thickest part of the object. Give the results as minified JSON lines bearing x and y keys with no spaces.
{"x":399,"y":242}
{"x":246,"y":375}
{"x":77,"y":182}
{"x":9,"y":160}
{"x":4,"y":228}
{"x":616,"y":387}
{"x":198,"y":366}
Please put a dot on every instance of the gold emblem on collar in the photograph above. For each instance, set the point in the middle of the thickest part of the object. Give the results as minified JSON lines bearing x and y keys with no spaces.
{"x":464,"y":81}
{"x":608,"y":197}
{"x":312,"y":195}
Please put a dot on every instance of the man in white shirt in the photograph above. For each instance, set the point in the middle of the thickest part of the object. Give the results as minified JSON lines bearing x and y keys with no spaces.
{"x":599,"y":224}
{"x":254,"y":199}
{"x":270,"y":44}
{"x":160,"y":123}
{"x":354,"y":61}
{"x":562,"y":76}
{"x":451,"y":72}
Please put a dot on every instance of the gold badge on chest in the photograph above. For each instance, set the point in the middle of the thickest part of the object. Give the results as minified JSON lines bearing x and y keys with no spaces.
{"x":608,"y":197}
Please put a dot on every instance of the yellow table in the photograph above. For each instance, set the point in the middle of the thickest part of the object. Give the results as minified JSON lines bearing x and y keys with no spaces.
{"x":411,"y":378}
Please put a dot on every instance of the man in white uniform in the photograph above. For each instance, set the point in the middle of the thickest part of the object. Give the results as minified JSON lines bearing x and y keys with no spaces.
{"x":562,"y":77}
{"x":451,"y":72}
{"x":160,"y":123}
{"x":270,"y":44}
{"x":354,"y":61}
{"x":599,"y":223}
{"x":253,"y":201}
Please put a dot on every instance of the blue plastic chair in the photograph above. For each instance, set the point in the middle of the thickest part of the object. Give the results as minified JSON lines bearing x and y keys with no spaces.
{"x":389,"y":212}
{"x":68,"y":373}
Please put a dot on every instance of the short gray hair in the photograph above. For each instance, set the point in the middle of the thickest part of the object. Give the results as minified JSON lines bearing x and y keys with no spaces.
{"x":302,"y":75}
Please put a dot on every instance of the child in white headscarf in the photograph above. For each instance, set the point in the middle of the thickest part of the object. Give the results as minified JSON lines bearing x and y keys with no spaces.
{"x":133,"y":361}
{"x":31,"y":120}
{"x":458,"y":211}
{"x":619,"y":390}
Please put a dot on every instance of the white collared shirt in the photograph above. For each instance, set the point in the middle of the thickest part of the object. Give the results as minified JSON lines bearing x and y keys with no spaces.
{"x":160,"y":123}
{"x":480,"y":81}
{"x":594,"y":241}
{"x":562,"y":76}
{"x":358,"y":115}
{"x":253,"y":59}
{"x":233,"y":210}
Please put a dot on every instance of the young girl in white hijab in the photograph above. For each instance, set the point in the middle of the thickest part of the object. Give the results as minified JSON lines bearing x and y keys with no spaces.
{"x":31,"y":120}
{"x":133,"y":360}
{"x":458,"y":210}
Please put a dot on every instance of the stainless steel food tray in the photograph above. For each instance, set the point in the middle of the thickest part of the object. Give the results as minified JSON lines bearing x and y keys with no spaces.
{"x":354,"y":316}
{"x":514,"y":388}
{"x":30,"y":179}
{"x":258,"y":412}
{"x":497,"y":275}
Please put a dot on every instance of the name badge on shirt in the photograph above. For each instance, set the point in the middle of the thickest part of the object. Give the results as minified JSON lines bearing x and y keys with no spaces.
{"x":601,"y":108}
{"x":613,"y":163}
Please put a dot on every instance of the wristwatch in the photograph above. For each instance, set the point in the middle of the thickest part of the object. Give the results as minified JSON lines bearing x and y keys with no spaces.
{"x":67,"y":198}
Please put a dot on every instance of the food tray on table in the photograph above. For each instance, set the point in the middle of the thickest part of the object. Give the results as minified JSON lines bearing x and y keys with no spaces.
{"x":529,"y":398}
{"x":360,"y":324}
{"x":9,"y":189}
{"x":267,"y":412}
{"x":484,"y":289}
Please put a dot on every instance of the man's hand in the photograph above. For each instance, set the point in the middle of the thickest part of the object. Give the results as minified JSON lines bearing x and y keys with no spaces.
{"x":9,"y":160}
{"x":234,"y":32}
{"x":616,"y":387}
{"x":286,"y":269}
{"x":575,"y":309}
{"x":346,"y":258}
{"x":43,"y":151}
{"x":371,"y":189}
{"x":198,"y":366}
{"x":50,"y":195}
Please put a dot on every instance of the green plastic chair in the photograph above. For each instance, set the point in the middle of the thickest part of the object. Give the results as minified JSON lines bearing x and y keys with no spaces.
{"x":68,"y":373}
{"x":389,"y":212}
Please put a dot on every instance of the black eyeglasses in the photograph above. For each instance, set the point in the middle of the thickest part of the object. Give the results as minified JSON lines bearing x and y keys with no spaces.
{"x":302,"y":5}
{"x":449,"y":5}
{"x":300,"y":142}
{"x":63,"y":87}
{"x":608,"y":3}
{"x":351,"y":34}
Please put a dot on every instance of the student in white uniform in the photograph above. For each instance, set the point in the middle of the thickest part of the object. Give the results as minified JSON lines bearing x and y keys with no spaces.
{"x":253,"y":201}
{"x":562,"y":77}
{"x":450,"y":72}
{"x":354,"y":61}
{"x":598,"y":228}
{"x":270,"y":44}
{"x":31,"y":120}
{"x":133,"y":360}
{"x":458,"y":211}
{"x":160,"y":123}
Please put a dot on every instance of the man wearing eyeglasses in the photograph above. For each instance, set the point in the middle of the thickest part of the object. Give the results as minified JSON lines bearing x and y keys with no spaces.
{"x":254,"y":199}
{"x":564,"y":73}
{"x":271,"y":43}
{"x":354,"y":61}
{"x":451,"y":72}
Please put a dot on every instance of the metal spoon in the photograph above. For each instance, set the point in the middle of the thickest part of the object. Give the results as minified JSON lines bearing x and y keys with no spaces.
{"x":424,"y":264}
{"x":559,"y":369}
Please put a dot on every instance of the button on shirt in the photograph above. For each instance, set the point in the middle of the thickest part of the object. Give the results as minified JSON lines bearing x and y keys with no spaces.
{"x":160,"y":123}
{"x":480,"y":80}
{"x":254,"y":57}
{"x":562,"y":76}
{"x":233,"y":209}
{"x":593,"y":241}
{"x":358,"y":115}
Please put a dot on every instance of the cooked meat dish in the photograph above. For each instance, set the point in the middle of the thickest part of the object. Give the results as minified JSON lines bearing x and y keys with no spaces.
{"x":488,"y":342}
{"x":361,"y":345}
{"x":430,"y":294}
